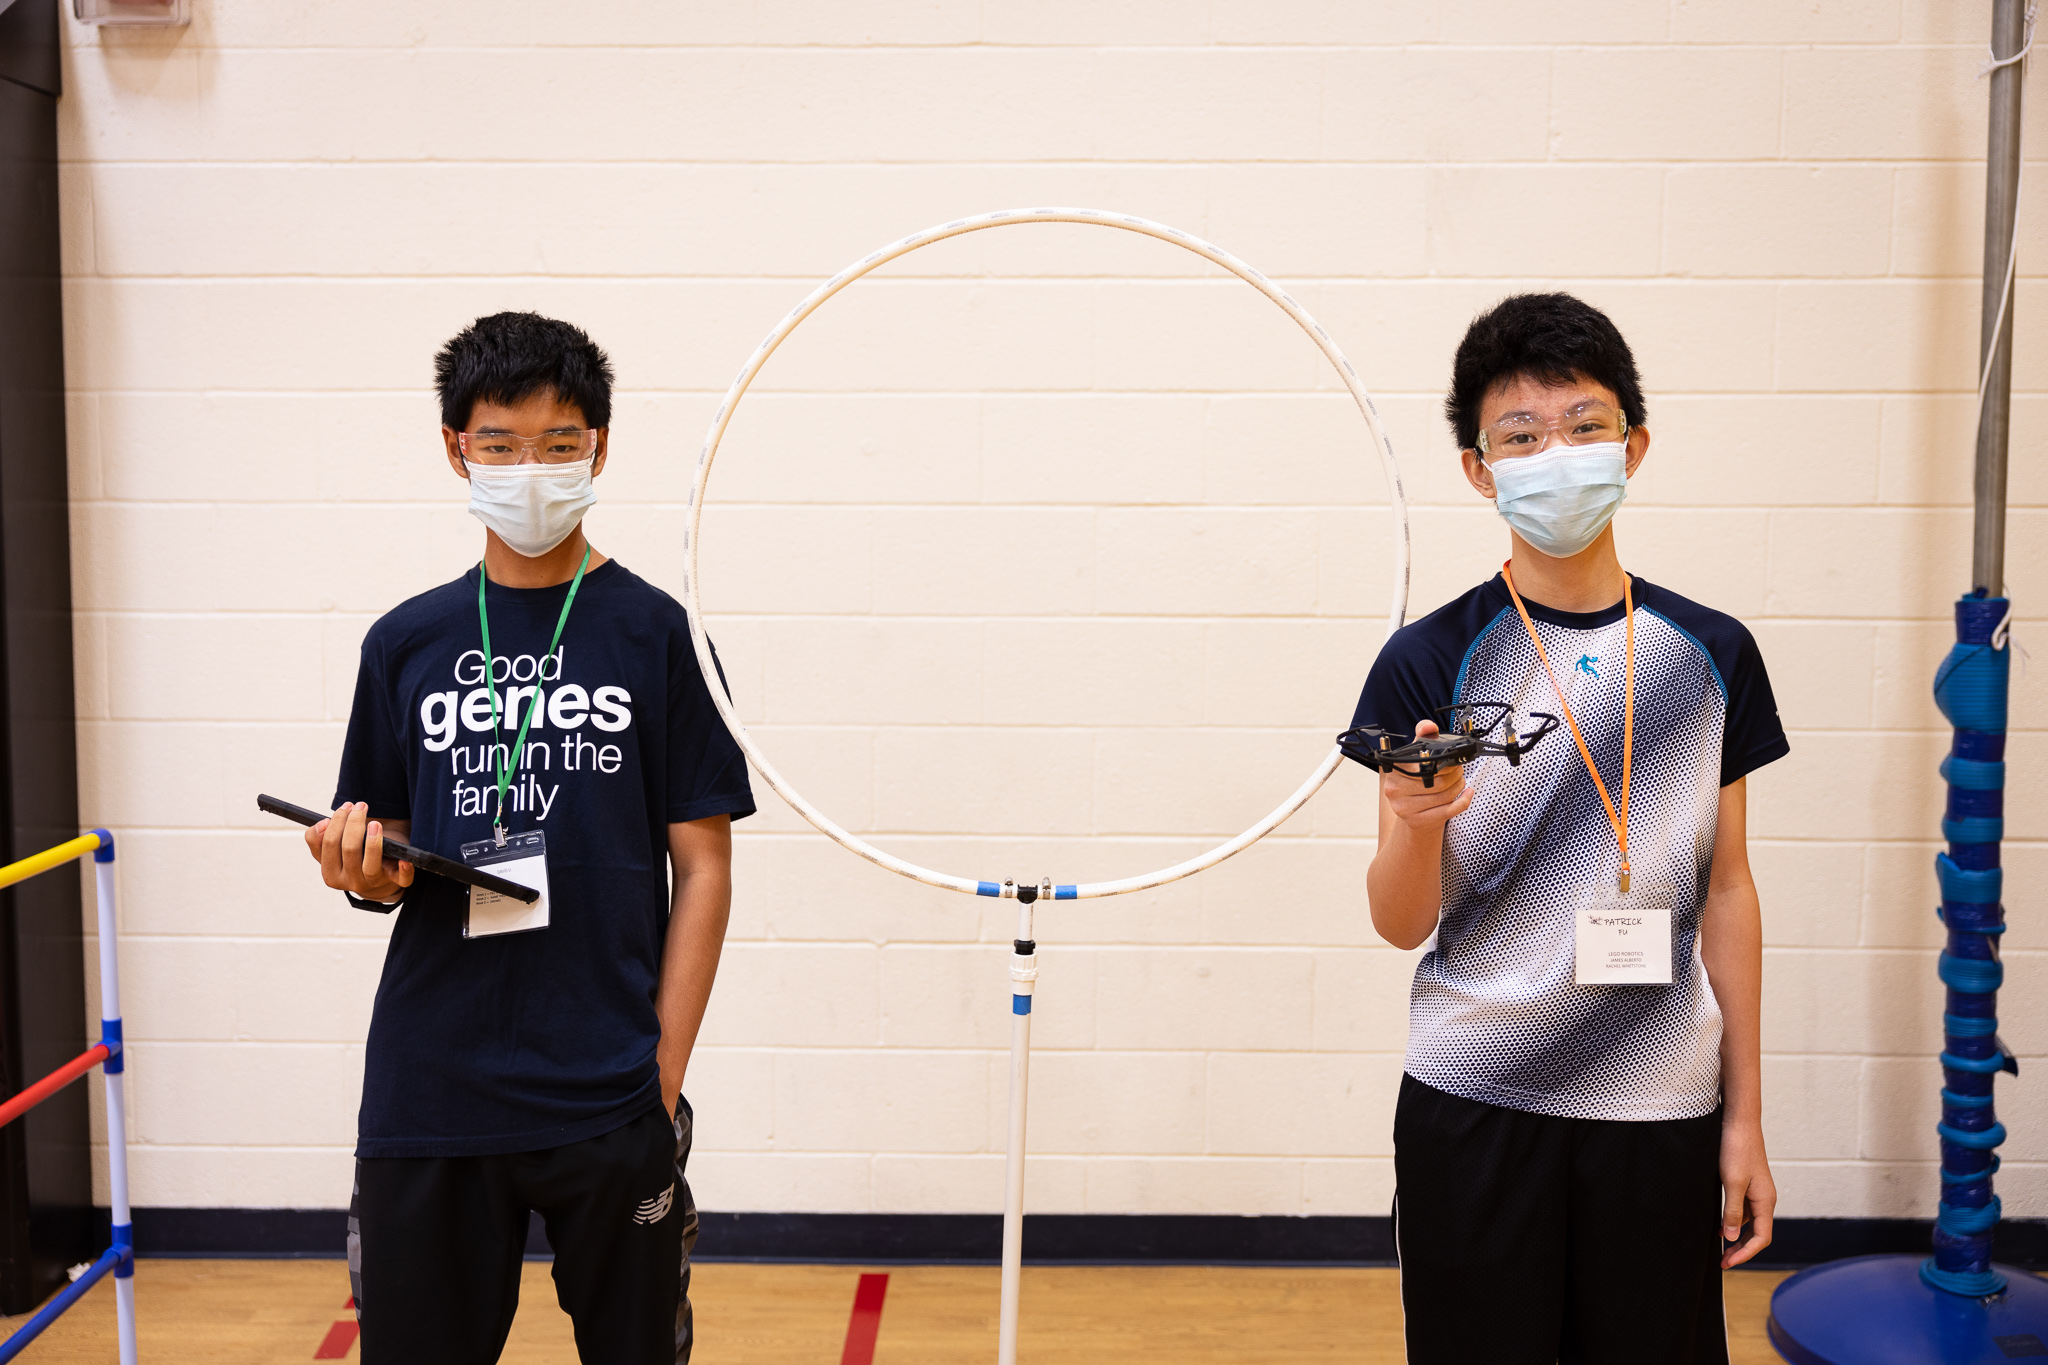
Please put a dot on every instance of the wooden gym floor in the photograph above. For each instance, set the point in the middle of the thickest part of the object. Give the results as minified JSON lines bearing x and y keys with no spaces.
{"x":260,"y":1312}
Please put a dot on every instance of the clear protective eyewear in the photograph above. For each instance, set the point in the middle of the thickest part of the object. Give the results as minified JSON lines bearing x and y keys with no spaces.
{"x":1524,"y":433}
{"x":502,"y":447}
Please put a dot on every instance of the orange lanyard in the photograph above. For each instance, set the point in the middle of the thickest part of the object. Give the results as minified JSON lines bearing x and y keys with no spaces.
{"x":1619,"y":819}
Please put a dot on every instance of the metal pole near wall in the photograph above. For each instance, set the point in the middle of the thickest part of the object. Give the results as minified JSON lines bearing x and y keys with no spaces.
{"x":1956,"y":1307}
{"x":2001,"y":207}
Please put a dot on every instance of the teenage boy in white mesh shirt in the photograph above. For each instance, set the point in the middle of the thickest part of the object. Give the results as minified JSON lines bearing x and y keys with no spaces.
{"x":1578,"y":1140}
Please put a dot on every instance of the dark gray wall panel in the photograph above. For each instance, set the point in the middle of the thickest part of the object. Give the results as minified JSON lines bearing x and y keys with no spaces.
{"x":46,"y":1220}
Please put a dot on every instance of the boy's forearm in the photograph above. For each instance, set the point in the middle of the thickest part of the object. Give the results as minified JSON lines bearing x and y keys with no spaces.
{"x":1731,"y":948}
{"x":696,"y":935}
{"x":1404,"y":884}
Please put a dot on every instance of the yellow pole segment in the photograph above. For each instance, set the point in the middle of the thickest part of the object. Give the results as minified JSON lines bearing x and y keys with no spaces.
{"x":48,"y":858}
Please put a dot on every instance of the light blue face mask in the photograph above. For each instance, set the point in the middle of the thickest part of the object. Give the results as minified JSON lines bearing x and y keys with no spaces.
{"x":1559,"y":500}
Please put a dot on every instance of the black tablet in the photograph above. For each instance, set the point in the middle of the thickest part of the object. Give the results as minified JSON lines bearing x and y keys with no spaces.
{"x":418,"y":857}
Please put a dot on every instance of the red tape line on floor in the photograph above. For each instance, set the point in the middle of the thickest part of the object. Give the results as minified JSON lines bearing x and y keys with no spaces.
{"x":866,"y":1323}
{"x":335,"y":1345}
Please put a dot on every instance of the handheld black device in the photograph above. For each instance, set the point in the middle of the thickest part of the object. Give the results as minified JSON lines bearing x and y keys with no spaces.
{"x":1465,"y":733}
{"x":418,"y":857}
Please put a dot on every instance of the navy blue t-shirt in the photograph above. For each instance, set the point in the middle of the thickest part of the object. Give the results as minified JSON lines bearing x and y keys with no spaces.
{"x":1495,"y":1014}
{"x":519,"y":1042}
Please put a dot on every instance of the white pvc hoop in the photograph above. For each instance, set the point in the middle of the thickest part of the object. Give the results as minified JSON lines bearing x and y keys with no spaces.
{"x":693,"y":605}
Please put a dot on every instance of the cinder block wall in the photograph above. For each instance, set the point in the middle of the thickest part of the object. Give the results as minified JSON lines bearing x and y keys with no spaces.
{"x":1047,"y":551}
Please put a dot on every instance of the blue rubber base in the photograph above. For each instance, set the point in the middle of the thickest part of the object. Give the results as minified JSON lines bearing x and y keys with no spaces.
{"x":1874,"y":1310}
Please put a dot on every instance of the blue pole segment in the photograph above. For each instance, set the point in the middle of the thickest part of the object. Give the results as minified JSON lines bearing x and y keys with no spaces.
{"x":54,"y":1309}
{"x":124,"y":1244}
{"x":1970,"y":687}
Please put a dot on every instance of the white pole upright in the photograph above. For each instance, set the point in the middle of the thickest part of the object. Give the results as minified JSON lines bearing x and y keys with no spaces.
{"x":1023,"y":978}
{"x":117,"y":1109}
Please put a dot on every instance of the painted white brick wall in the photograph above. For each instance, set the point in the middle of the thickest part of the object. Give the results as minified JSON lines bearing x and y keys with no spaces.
{"x":1045,"y":550}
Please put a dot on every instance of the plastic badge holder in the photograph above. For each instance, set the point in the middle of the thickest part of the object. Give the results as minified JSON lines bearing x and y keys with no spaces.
{"x":132,"y":13}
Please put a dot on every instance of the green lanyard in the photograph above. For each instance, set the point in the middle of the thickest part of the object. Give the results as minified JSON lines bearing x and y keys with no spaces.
{"x":507,"y":764}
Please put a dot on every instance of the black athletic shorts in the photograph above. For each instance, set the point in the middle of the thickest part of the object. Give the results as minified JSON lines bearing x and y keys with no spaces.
{"x":435,"y":1244}
{"x":1527,"y":1239}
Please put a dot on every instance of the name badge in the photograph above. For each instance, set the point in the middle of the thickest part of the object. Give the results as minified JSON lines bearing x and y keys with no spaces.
{"x":523,"y":858}
{"x":1623,"y":938}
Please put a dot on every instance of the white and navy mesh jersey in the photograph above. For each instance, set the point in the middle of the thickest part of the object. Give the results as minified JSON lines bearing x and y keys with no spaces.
{"x":1495,"y":1014}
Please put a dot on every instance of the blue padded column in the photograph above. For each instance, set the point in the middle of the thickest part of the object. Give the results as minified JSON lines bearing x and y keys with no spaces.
{"x":1970,"y":688}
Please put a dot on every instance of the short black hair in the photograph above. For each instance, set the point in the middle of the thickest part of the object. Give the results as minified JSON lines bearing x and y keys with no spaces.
{"x":1551,"y":338}
{"x":510,"y":357}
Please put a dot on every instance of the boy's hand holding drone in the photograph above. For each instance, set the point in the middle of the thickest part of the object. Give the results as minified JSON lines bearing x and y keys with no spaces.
{"x":1425,"y":809}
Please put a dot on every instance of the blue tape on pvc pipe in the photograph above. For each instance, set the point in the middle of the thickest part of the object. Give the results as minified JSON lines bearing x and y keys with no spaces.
{"x":1063,"y":893}
{"x":1974,"y":829}
{"x":1971,"y":919}
{"x":1990,"y":1137}
{"x":1972,"y":976}
{"x":1962,"y":801}
{"x":1950,"y":1099}
{"x":110,"y":1034}
{"x":1970,"y":686}
{"x":988,"y":889}
{"x":1962,"y":1026}
{"x":124,"y":1243}
{"x":1964,"y":1284}
{"x":1951,"y":1178}
{"x":1020,"y":1004}
{"x":1978,"y":746}
{"x":105,"y":852}
{"x":1967,"y":1222}
{"x":1985,"y":1065}
{"x":1975,"y":1047}
{"x":1970,"y":887}
{"x":1972,"y":774}
{"x":1974,"y":857}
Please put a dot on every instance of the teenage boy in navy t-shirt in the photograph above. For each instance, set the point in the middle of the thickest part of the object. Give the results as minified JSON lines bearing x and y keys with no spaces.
{"x":543,"y":716}
{"x":1581,"y":1105}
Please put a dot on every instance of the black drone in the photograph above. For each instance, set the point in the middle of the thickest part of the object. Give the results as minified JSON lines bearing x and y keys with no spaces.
{"x":1464,"y":728}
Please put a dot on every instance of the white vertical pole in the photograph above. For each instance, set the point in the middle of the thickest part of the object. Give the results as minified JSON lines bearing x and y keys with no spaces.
{"x":1023,"y":977}
{"x":117,"y":1109}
